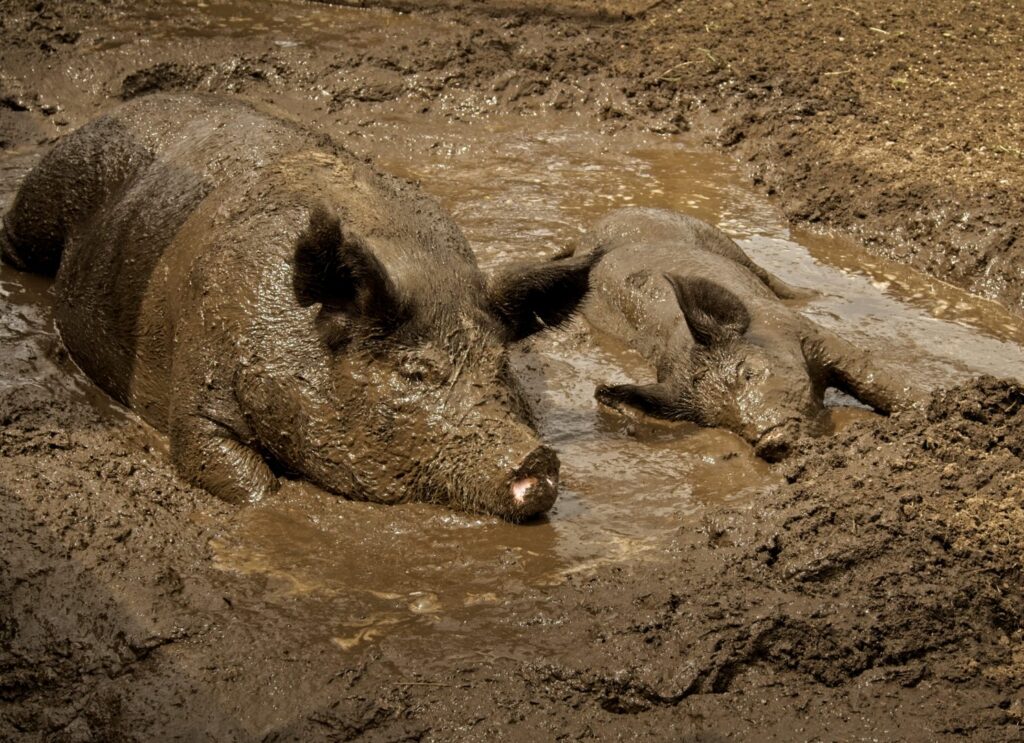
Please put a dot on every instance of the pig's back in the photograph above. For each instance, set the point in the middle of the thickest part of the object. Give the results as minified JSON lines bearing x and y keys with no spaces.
{"x":644,"y":225}
{"x":150,"y":165}
{"x":630,"y":297}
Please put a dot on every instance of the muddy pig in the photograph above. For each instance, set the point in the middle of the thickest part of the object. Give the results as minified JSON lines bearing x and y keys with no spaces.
{"x":727,"y":351}
{"x":279,"y":307}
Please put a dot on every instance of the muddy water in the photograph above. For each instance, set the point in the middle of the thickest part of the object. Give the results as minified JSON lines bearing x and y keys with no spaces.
{"x":451,"y":584}
{"x":519,"y":185}
{"x":289,"y":23}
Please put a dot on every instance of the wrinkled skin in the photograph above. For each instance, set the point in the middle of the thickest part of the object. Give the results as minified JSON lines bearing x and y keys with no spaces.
{"x":727,"y":350}
{"x":279,"y":307}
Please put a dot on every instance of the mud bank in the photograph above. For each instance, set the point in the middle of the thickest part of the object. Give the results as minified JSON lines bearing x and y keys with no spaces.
{"x":868,"y":588}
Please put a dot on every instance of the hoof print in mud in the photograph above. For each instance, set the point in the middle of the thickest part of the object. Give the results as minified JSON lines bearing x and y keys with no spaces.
{"x":728,"y":351}
{"x":266,"y":298}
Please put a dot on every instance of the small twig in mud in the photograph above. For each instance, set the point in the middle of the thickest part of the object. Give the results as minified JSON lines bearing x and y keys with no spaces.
{"x":850,"y":10}
{"x":838,"y":72}
{"x":1009,"y":150}
{"x":664,"y":75}
{"x":878,"y":30}
{"x":433,"y":683}
{"x":708,"y":54}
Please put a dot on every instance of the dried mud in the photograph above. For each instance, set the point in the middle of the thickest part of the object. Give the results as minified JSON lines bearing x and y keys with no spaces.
{"x":874,"y":594}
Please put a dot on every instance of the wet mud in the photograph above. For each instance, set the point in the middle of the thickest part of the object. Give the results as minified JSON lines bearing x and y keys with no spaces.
{"x":868,"y":587}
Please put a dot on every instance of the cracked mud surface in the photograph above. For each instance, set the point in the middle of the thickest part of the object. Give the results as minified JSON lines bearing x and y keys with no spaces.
{"x":876,"y":593}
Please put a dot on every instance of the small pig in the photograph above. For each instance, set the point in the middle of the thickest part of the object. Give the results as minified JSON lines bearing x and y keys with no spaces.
{"x":277,"y":306}
{"x":726,"y":350}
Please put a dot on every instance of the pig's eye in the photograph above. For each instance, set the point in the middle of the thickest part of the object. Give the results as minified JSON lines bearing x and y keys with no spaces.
{"x":415,"y":370}
{"x":746,"y":372}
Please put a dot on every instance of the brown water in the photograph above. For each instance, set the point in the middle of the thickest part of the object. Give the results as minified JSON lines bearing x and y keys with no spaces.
{"x":525,"y":185}
{"x":289,"y":23}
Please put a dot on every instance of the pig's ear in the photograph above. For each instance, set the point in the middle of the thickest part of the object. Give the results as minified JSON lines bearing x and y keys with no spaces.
{"x":336,"y":269}
{"x":531,"y":297}
{"x":713,"y":313}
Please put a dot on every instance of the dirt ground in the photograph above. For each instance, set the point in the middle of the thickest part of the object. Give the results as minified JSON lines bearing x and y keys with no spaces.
{"x":876,"y":595}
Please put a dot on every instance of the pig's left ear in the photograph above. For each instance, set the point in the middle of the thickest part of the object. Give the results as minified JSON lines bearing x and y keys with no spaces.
{"x":336,"y":269}
{"x":713,"y":313}
{"x":531,"y":297}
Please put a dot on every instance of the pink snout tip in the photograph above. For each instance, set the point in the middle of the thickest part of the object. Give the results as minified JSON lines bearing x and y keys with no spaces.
{"x":522,"y":487}
{"x":532,"y":486}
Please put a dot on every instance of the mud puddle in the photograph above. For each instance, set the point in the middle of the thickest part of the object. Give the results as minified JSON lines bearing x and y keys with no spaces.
{"x":449,"y":584}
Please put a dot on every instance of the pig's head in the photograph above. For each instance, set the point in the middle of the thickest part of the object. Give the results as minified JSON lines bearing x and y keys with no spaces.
{"x":756,"y":384}
{"x":427,"y":407}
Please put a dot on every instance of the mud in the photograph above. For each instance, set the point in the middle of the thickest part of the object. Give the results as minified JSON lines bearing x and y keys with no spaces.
{"x":867,"y":588}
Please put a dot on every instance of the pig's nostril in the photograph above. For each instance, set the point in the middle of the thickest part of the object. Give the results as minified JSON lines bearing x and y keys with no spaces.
{"x":521,"y":487}
{"x":777,"y":444}
{"x":534,"y":484}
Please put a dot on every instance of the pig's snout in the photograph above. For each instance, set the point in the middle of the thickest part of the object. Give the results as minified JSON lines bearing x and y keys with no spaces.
{"x":778,"y":442}
{"x":533,"y":485}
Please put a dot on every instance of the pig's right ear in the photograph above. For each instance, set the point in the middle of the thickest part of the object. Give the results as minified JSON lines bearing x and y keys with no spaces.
{"x":713,"y":313}
{"x":336,"y":269}
{"x":531,"y":297}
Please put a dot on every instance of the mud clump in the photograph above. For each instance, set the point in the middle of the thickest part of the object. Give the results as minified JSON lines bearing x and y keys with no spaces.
{"x":173,"y":76}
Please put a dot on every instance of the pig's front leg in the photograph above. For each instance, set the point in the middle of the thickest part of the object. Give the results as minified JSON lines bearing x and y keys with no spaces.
{"x":853,"y":371}
{"x":212,"y":456}
{"x":658,"y":400}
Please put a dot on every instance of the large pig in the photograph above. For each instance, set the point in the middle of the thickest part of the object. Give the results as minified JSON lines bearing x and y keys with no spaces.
{"x":727,"y":351}
{"x":277,"y":306}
